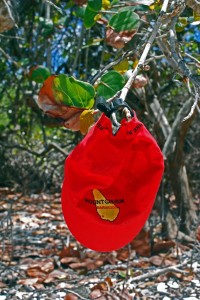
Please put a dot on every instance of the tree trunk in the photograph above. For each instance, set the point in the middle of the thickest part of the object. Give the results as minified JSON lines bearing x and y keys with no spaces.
{"x":173,"y":152}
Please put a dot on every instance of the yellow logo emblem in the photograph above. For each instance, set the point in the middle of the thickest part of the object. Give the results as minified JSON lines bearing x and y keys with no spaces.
{"x":106,"y":210}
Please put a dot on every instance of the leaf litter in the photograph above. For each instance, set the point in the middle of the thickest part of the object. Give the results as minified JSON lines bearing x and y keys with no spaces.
{"x":41,"y":260}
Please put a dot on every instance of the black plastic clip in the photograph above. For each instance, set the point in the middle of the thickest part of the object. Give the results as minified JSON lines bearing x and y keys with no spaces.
{"x":110,"y":109}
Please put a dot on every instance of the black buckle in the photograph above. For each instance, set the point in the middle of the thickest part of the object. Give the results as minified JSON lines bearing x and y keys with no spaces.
{"x":110,"y":109}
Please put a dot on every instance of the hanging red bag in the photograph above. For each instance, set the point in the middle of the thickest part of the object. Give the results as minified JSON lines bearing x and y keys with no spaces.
{"x":110,"y":184}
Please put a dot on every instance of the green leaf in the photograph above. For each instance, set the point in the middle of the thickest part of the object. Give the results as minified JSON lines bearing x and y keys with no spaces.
{"x":110,"y":84}
{"x":122,"y":274}
{"x":125,"y":20}
{"x":79,"y":12}
{"x":39,"y":74}
{"x":114,"y":2}
{"x":72,"y":92}
{"x":94,"y":5}
{"x":89,"y":18}
{"x":91,"y":11}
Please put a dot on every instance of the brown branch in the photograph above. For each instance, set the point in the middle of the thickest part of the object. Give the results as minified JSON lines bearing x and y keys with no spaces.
{"x":9,"y":57}
{"x":182,"y":68}
{"x":41,"y":153}
{"x":149,"y":43}
{"x":167,"y":149}
{"x":160,"y":117}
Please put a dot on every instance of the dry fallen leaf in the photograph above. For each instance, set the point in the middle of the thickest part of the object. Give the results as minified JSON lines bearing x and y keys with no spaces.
{"x":56,"y":274}
{"x":69,"y":252}
{"x":198,"y":233}
{"x":71,"y":296}
{"x":141,"y":244}
{"x":36,"y":273}
{"x":160,"y":245}
{"x":69,"y":260}
{"x":28,"y":281}
{"x":156,"y":260}
{"x":97,"y":294}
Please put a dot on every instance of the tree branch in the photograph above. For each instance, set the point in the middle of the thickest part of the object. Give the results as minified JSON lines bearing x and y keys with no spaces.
{"x":146,"y":50}
{"x":167,"y":149}
{"x":41,"y":153}
{"x":9,"y":57}
{"x":55,"y":6}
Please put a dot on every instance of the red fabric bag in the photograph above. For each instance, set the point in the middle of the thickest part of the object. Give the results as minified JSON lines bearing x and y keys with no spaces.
{"x":110,"y":184}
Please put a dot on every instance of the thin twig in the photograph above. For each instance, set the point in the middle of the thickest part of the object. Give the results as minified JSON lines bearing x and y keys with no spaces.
{"x":41,"y":153}
{"x":55,"y":6}
{"x":9,"y":57}
{"x":160,"y":272}
{"x":192,"y":57}
{"x":155,"y":57}
{"x":11,"y":37}
{"x":76,"y":294}
{"x":194,"y":107}
{"x":78,"y":50}
{"x":183,"y":69}
{"x":145,"y":52}
{"x":47,"y":42}
{"x":110,"y":65}
{"x":9,"y":12}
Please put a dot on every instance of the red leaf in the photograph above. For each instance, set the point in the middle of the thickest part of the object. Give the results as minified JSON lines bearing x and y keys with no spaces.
{"x":80,"y":2}
{"x":118,"y":39}
{"x":46,"y":101}
{"x":69,"y":252}
{"x":36,"y":273}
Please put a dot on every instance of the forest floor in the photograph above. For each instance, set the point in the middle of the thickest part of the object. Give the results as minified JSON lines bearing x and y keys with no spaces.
{"x":41,"y":260}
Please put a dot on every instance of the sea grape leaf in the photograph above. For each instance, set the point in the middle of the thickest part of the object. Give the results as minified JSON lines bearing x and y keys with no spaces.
{"x":110,"y":84}
{"x":65,"y":115}
{"x":89,"y":16}
{"x":39,"y":74}
{"x":72,"y":92}
{"x":94,"y":5}
{"x":91,"y":11}
{"x":118,"y":39}
{"x":126,"y":20}
{"x":122,"y":66}
{"x":86,"y":120}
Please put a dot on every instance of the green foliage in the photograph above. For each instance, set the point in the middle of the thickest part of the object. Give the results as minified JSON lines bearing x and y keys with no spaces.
{"x":109,"y":84}
{"x":125,"y":20}
{"x":182,"y":23}
{"x":39,"y":74}
{"x":47,"y":27}
{"x":72,"y":92}
{"x":91,"y":11}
